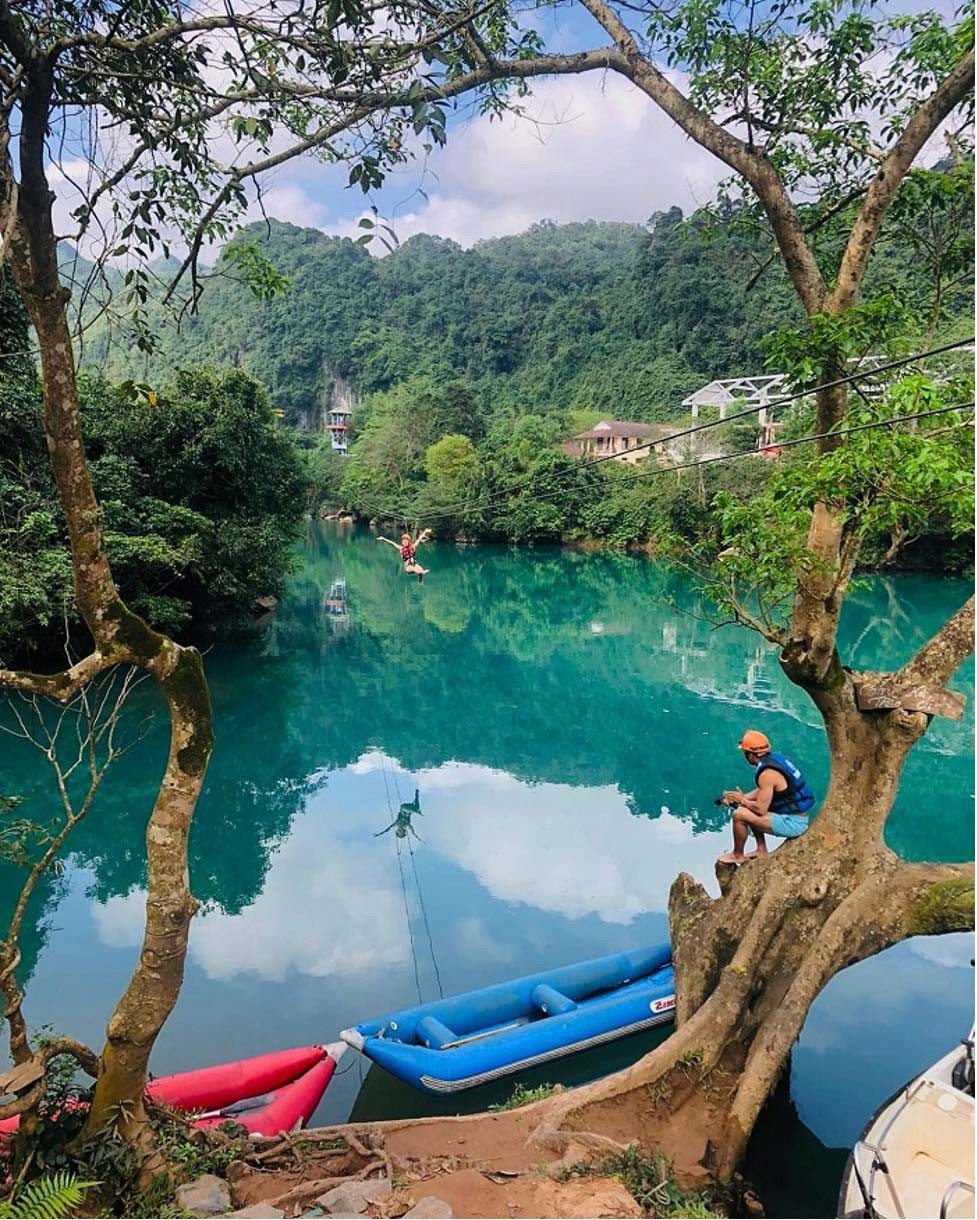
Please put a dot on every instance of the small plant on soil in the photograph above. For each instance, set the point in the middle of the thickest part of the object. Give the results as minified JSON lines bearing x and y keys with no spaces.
{"x":192,"y":1152}
{"x":647,"y":1179}
{"x":521,"y":1096}
{"x":48,"y":1198}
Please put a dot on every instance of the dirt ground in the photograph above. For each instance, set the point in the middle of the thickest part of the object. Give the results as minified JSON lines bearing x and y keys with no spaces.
{"x":511,"y":1164}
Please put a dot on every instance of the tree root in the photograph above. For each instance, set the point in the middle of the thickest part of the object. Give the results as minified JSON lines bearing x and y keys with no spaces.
{"x":299,"y":1193}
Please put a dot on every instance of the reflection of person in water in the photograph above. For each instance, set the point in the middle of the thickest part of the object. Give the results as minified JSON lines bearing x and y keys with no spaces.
{"x":401,"y":825}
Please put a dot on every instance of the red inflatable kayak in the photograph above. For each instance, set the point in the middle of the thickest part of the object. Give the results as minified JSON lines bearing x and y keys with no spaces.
{"x":267,"y":1094}
{"x":212,"y":1088}
{"x":289,"y":1106}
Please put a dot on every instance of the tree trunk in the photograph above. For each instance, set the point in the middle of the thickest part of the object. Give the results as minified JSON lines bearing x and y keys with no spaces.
{"x":119,"y":636}
{"x":156,"y":981}
{"x":749,"y":964}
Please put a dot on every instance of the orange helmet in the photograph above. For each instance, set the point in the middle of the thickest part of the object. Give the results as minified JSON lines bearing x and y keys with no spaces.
{"x":405,"y":537}
{"x":755,"y":742}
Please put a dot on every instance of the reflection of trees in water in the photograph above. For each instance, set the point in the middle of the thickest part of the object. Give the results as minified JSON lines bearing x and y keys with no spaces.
{"x":793,"y":1172}
{"x":494,"y":661}
{"x":519,"y":680}
{"x":45,"y":900}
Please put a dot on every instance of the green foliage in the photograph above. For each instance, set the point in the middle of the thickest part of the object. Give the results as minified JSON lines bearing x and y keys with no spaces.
{"x":201,"y":490}
{"x":647,"y":1179}
{"x":192,"y":1153}
{"x":617,"y":319}
{"x":324,"y":469}
{"x":816,"y":97}
{"x":49,"y":1198}
{"x":892,"y":485}
{"x":523,"y":1096}
{"x":455,"y":484}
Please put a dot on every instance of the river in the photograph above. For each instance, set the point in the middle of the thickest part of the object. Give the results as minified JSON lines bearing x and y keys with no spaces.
{"x":566,"y":720}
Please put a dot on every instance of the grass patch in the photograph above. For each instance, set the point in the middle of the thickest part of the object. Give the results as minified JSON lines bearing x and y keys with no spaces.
{"x":648,"y":1180}
{"x":691,"y":1061}
{"x":659,"y":1091}
{"x":521,"y":1096}
{"x":334,"y":1145}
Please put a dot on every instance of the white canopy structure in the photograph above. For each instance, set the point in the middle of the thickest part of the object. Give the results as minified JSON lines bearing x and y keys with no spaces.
{"x":759,"y":392}
{"x":744,"y":391}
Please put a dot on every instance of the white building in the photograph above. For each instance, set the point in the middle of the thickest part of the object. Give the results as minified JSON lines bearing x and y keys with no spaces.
{"x":337,"y":425}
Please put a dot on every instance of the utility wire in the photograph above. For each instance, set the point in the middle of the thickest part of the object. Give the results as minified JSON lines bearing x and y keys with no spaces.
{"x":801,"y":440}
{"x":427,"y":926}
{"x":505,"y":492}
{"x":696,"y":428}
{"x":729,"y":457}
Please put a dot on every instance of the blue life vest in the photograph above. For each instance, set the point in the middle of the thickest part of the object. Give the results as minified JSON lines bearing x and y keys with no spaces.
{"x":797,"y":797}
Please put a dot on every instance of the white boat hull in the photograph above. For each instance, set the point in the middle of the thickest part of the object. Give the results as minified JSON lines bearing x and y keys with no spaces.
{"x":916,"y":1156}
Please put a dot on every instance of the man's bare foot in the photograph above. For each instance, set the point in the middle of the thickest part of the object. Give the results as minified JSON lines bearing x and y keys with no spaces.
{"x":731,"y":858}
{"x":752,"y":855}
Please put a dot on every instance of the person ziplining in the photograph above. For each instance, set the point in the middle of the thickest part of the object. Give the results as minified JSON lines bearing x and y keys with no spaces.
{"x":778,"y":805}
{"x":401,"y":825}
{"x":408,"y":552}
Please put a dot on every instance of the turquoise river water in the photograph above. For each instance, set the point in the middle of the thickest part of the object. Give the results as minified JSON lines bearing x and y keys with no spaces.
{"x":566,"y":721}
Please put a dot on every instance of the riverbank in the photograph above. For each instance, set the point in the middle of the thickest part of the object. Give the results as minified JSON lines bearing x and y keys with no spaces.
{"x":513,"y":1164}
{"x":938,"y":554}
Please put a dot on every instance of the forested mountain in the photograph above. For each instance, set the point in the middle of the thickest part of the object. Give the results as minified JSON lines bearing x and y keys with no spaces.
{"x":616,"y":319}
{"x":573,"y":316}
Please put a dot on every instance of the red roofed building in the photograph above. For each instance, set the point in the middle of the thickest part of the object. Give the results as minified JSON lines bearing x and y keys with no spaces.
{"x":618,"y":439}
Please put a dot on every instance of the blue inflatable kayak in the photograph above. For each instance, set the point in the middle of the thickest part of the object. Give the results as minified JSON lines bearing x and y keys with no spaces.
{"x":470,"y":1039}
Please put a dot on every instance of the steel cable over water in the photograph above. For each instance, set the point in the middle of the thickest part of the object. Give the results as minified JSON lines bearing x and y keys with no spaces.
{"x":502,"y":494}
{"x":751,"y":453}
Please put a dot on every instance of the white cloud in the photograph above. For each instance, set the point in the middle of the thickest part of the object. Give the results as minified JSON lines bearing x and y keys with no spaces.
{"x":547,"y":845}
{"x":314,"y":870}
{"x":590,"y":148}
{"x":544,"y":845}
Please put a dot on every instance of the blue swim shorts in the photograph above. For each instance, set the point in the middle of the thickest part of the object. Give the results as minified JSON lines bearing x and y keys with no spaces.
{"x":788,"y":825}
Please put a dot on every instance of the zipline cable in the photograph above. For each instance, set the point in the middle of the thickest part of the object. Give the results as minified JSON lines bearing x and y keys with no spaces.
{"x":427,"y":926}
{"x":505,"y":492}
{"x":410,"y":930}
{"x":729,"y":457}
{"x":403,"y":890}
{"x":801,"y":440}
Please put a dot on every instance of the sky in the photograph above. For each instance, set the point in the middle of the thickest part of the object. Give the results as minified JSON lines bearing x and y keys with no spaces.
{"x":588,"y":147}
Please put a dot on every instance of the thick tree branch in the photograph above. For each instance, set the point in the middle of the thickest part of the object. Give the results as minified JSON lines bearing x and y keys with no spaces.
{"x":751,"y":163}
{"x":61,"y":686}
{"x":370,"y":103}
{"x":940,"y":657}
{"x":894,"y":168}
{"x":13,"y":37}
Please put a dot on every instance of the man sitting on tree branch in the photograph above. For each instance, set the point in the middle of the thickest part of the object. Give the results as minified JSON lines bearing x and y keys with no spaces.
{"x":778,"y":805}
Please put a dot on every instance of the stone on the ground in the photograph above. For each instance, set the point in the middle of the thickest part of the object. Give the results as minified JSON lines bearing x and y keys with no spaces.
{"x":260,"y":1211}
{"x":430,"y":1208}
{"x":353,"y":1198}
{"x":207,"y":1196}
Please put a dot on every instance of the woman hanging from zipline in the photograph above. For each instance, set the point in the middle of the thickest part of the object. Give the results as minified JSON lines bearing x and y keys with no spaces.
{"x":408,"y":552}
